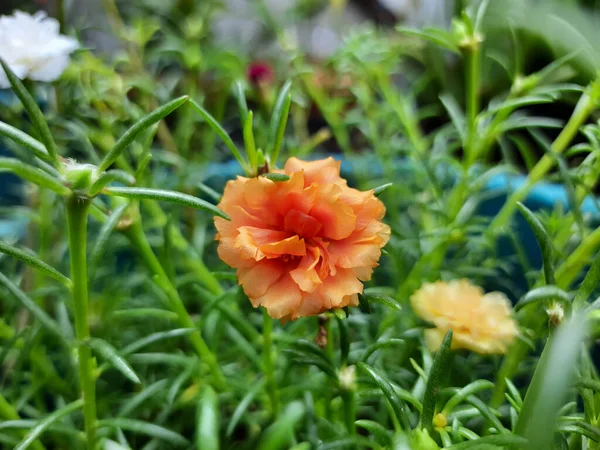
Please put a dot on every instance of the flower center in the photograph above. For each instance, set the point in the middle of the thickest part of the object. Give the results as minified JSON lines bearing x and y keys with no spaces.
{"x":301,"y":224}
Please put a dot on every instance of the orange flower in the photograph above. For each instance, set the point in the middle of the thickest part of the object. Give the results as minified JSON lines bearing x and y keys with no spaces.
{"x":480,"y":322}
{"x":302,"y":246}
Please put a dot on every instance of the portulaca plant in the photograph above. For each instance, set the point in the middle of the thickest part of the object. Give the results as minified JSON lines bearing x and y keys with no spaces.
{"x":162,"y":219}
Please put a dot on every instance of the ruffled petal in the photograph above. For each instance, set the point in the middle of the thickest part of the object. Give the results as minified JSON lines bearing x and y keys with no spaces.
{"x":323,"y":171}
{"x":281,"y":299}
{"x":337,"y":218}
{"x":259,"y":277}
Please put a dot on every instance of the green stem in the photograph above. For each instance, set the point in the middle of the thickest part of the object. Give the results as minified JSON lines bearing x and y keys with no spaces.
{"x":192,"y":260}
{"x":269,"y":366}
{"x":349,"y":400}
{"x":60,"y":14}
{"x":77,"y":212}
{"x":473,"y":62}
{"x":139,"y":241}
{"x":577,"y":260}
{"x":584,"y":108}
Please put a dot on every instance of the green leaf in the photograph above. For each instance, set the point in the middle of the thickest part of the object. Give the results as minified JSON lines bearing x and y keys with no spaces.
{"x":207,"y":428}
{"x":149,"y":429}
{"x":29,"y":258}
{"x":249,"y":140}
{"x":517,"y":122}
{"x":108,"y":352}
{"x":488,"y":413}
{"x":278,"y":122}
{"x":379,"y":345}
{"x":278,"y":177}
{"x":280,"y":435}
{"x":544,"y":294}
{"x":156,"y":337}
{"x":25,"y":140}
{"x":152,"y":391}
{"x":439,"y":366}
{"x":481,"y":10}
{"x":514,"y":103}
{"x":589,"y":284}
{"x":588,"y":383}
{"x":312,"y":351}
{"x":101,"y":243}
{"x":34,"y":309}
{"x":243,"y":406}
{"x":119,"y":176}
{"x":550,"y":383}
{"x":381,"y":189}
{"x":544,"y":74}
{"x":434,"y":35}
{"x":210,"y":192}
{"x":543,"y":240}
{"x":217,"y":128}
{"x":499,"y":441}
{"x":145,"y":314}
{"x":463,"y":393}
{"x":138,"y":128}
{"x":456,"y":115}
{"x":390,"y":394}
{"x":376,"y":297}
{"x":376,"y":429}
{"x":240,"y":96}
{"x":33,"y":174}
{"x":35,"y":113}
{"x":582,"y":428}
{"x":44,"y":424}
{"x":168,"y":196}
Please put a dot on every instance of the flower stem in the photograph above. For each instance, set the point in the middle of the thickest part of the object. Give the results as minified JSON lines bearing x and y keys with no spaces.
{"x":472,"y":59}
{"x":584,"y":108}
{"x":349,"y":400}
{"x":77,"y":212}
{"x":137,"y":237}
{"x":269,"y":367}
{"x":60,"y":14}
{"x":577,"y":260}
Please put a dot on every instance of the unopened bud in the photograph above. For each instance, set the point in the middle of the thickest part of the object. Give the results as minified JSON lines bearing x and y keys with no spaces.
{"x":347,"y":378}
{"x":440,"y":421}
{"x":422,"y":441}
{"x":79,"y":176}
{"x":556,"y":314}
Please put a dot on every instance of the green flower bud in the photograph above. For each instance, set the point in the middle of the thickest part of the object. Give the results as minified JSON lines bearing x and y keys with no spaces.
{"x":420,"y":440}
{"x":79,"y":176}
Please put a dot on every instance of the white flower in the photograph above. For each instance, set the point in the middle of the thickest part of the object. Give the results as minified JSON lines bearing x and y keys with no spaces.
{"x":33,"y":47}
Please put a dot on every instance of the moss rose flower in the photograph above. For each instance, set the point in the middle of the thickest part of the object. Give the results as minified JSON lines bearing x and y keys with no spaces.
{"x":33,"y":47}
{"x":480,"y":322}
{"x":301,"y":246}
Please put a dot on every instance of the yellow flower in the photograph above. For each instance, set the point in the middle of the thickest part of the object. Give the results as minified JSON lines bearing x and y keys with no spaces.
{"x":480,"y":322}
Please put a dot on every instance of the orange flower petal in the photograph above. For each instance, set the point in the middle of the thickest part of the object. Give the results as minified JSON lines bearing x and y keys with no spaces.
{"x":323,"y":171}
{"x":258,"y":278}
{"x":301,"y":224}
{"x":305,"y":275}
{"x":251,"y":240}
{"x":302,"y":246}
{"x":337,"y":218}
{"x":335,"y":288}
{"x":281,"y":299}
{"x":293,"y":246}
